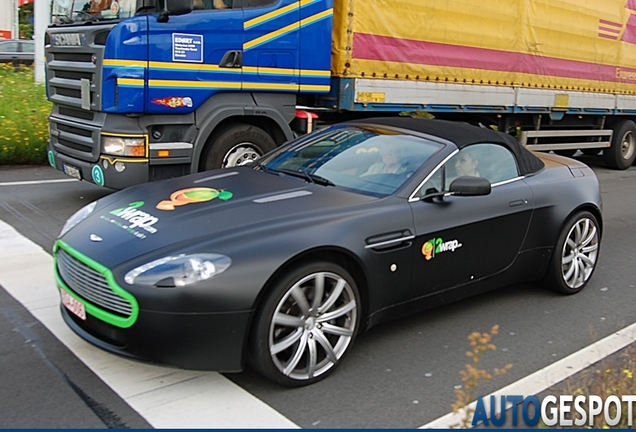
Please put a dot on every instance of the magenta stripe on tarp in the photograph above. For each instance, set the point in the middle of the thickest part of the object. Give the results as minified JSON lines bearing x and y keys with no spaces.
{"x":608,"y":36}
{"x":615,"y":24}
{"x":384,"y":48}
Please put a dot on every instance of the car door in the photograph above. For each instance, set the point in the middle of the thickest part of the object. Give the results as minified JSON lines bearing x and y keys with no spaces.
{"x":27,"y":52}
{"x":9,"y":51}
{"x":464,"y":239}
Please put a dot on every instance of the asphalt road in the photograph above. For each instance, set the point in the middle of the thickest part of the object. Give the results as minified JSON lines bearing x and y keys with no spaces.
{"x":398,"y":375}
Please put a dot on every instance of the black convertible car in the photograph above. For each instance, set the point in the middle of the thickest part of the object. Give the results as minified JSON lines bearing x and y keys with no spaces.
{"x":282,"y":263}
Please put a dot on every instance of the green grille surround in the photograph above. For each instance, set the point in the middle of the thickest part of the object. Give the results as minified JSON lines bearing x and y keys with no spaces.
{"x":91,"y":309}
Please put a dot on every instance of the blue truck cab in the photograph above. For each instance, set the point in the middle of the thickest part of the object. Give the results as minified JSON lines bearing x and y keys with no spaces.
{"x":146,"y":90}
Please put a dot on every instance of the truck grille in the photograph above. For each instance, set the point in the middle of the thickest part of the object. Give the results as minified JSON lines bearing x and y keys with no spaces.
{"x":90,"y":285}
{"x":75,"y":119}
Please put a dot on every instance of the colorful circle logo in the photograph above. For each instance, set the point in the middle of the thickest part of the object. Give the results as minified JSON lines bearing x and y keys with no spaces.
{"x":192,"y":196}
{"x":427,"y":250}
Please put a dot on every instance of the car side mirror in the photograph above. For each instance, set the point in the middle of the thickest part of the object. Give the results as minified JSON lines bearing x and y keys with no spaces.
{"x":470,"y":186}
{"x":175,"y":7}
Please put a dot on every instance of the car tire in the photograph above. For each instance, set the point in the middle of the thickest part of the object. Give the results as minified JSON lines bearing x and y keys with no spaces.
{"x":575,"y":254}
{"x":299,"y":338}
{"x":622,"y":153}
{"x":235,"y":145}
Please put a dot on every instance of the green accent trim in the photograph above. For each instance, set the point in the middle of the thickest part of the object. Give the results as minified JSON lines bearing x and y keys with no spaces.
{"x":91,"y":309}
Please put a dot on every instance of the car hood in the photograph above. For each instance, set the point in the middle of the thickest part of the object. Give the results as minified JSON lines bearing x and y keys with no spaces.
{"x":179,"y":213}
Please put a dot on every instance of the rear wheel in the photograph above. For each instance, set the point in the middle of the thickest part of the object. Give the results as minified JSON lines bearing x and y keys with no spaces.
{"x":306,"y":324}
{"x":575,"y":255}
{"x":235,"y":145}
{"x":623,"y":150}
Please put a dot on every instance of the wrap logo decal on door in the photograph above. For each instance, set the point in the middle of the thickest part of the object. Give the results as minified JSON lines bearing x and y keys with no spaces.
{"x":436,"y":246}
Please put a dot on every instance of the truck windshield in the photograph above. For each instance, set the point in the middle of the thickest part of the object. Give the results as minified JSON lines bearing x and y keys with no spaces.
{"x":81,"y":11}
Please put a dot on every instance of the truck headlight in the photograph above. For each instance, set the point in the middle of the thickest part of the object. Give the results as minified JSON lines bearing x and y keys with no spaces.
{"x":120,"y":146}
{"x":179,"y":270}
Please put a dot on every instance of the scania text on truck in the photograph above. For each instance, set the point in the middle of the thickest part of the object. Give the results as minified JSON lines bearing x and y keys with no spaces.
{"x":145,"y":90}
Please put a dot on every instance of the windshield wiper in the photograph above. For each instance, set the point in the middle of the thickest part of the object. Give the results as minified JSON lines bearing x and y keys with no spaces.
{"x":64,"y":19}
{"x":261,"y":166}
{"x":86,"y":15}
{"x":311,"y":178}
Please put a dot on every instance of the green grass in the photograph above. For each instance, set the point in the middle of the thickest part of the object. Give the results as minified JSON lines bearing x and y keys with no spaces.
{"x":24,"y":131}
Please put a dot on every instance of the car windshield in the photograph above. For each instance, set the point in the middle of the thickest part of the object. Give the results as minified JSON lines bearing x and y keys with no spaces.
{"x":366,"y":160}
{"x":80,"y":11}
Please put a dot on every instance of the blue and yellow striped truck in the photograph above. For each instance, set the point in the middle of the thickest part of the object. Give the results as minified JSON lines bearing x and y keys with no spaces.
{"x":151,"y":89}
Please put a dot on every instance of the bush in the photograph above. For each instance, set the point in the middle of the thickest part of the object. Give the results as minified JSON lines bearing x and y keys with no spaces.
{"x":24,"y":131}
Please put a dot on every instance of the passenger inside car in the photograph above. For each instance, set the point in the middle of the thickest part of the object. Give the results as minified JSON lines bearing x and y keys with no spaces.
{"x":466,"y":164}
{"x":392,"y":161}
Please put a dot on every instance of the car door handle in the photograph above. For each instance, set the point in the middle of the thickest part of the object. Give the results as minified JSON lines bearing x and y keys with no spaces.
{"x":517,"y":203}
{"x":390,"y":240}
{"x":232,"y":59}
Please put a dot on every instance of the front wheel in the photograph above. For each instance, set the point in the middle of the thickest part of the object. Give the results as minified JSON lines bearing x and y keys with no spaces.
{"x":575,"y":255}
{"x":235,"y":145}
{"x":306,"y":324}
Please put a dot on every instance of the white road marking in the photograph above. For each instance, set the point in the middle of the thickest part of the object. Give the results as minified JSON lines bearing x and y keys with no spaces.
{"x":37,"y":182}
{"x":545,"y":378}
{"x":165,"y":397}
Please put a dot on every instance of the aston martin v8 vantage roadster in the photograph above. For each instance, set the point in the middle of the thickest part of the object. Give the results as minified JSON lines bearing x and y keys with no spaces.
{"x":280,"y":264}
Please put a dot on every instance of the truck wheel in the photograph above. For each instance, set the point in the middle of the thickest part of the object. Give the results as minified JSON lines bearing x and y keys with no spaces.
{"x":623,"y":150}
{"x":236,"y":145}
{"x":306,"y":324}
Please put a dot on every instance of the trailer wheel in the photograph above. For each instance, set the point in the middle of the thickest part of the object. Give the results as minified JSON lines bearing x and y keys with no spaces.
{"x":234,"y":145}
{"x":623,"y":150}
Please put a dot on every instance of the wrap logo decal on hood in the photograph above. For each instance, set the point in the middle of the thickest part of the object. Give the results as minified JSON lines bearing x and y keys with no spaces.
{"x":192,"y":196}
{"x":135,"y":218}
{"x":436,"y":246}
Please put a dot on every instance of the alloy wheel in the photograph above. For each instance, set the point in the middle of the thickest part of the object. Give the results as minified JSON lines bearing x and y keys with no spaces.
{"x":580,"y":252}
{"x":313,"y":325}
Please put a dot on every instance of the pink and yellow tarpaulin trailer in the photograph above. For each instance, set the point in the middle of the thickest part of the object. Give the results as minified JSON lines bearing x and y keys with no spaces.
{"x":580,"y":45}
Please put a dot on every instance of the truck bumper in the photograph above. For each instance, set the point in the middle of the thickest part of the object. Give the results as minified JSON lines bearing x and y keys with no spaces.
{"x":107,"y":172}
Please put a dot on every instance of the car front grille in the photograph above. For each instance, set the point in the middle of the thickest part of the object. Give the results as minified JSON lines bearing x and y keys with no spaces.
{"x":91,"y":285}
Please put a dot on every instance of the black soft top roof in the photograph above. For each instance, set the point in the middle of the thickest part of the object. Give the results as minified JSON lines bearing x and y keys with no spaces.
{"x":462,"y":135}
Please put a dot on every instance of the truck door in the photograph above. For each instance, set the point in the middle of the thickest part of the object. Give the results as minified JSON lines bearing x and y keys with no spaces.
{"x":271,"y":45}
{"x":193,"y":56}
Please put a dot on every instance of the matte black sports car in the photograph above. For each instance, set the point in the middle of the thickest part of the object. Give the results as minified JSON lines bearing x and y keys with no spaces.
{"x":281,"y":263}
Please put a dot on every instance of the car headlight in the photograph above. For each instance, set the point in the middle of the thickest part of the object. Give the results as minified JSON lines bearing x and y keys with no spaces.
{"x":120,"y":146}
{"x":77,"y":217}
{"x":178,"y":271}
